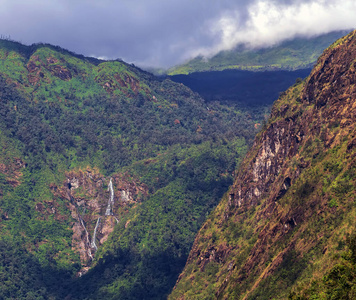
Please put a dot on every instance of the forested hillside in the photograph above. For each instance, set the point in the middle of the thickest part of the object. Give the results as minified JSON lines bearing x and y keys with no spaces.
{"x":293,"y":54}
{"x":286,"y":227}
{"x":106,"y":174}
{"x":244,"y":89}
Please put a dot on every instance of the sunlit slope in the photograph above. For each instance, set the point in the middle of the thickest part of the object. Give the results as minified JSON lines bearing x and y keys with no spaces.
{"x":286,"y":227}
{"x":106,"y":174}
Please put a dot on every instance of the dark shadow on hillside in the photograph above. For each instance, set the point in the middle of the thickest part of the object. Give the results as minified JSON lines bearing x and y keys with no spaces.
{"x":245,"y":87}
{"x":123,"y":263}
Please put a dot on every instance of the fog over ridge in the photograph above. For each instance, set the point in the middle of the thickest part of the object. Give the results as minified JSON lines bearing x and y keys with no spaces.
{"x":163,"y":33}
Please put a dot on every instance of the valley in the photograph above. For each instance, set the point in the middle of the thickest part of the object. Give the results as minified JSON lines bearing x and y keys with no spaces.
{"x":245,"y":88}
{"x":117,"y":184}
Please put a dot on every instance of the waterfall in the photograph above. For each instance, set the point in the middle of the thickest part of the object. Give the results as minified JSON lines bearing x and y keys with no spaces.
{"x":111,"y":200}
{"x":91,"y":247}
{"x":86,"y":234}
{"x":93,"y":244}
{"x":83,"y":225}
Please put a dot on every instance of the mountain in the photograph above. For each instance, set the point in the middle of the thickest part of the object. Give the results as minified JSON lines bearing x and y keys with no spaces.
{"x":298,"y":53}
{"x":106,"y":174}
{"x":286,"y":227}
{"x":243,"y":88}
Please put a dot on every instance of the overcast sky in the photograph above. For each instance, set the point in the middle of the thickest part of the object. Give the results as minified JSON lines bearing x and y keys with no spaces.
{"x":163,"y":33}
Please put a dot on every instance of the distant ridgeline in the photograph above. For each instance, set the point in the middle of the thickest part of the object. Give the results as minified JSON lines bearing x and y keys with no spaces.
{"x":298,"y":53}
{"x":106,"y":174}
{"x":286,"y":227}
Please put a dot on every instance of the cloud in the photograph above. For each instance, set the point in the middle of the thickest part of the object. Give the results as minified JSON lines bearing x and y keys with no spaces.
{"x":167,"y":32}
{"x":270,"y":22}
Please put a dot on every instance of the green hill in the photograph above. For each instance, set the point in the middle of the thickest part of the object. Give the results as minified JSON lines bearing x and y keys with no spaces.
{"x":298,"y":53}
{"x":106,"y":174}
{"x":286,"y":227}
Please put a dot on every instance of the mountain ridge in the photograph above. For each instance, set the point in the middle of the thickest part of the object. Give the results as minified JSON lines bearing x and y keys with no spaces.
{"x":287,"y":222}
{"x":106,"y":174}
{"x":298,"y":53}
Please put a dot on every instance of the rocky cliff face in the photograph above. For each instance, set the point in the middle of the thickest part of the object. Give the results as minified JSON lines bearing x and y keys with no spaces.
{"x":96,"y":204}
{"x":284,"y":221}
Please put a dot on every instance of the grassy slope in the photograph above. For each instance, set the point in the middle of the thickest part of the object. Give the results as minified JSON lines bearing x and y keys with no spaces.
{"x":295,"y":241}
{"x":59,"y":112}
{"x":299,"y":53}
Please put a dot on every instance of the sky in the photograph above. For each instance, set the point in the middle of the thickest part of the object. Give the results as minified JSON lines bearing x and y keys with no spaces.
{"x":163,"y":33}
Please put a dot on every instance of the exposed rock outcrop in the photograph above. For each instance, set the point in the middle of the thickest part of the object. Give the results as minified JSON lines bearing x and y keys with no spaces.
{"x":88,"y":195}
{"x":37,"y":69}
{"x":12,"y":170}
{"x":292,"y":194}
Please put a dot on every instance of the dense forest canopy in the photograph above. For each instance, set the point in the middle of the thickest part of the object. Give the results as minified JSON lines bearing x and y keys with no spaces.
{"x":68,"y":124}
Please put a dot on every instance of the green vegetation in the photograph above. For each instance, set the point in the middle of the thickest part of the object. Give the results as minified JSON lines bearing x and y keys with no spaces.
{"x":339,"y":282}
{"x":299,"y":53}
{"x":60,"y":111}
{"x":286,"y":227}
{"x":187,"y":185}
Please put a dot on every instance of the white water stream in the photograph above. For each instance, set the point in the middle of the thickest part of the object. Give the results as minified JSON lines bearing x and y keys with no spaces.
{"x":109,"y":208}
{"x":87,"y":236}
{"x":83,"y":225}
{"x":109,"y":212}
{"x":93,"y":244}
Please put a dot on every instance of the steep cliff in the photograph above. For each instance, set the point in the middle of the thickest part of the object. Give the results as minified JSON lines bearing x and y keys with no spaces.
{"x":289,"y":217}
{"x":96,"y":204}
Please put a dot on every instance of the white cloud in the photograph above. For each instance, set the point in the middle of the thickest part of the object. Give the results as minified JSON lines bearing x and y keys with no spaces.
{"x":270,"y":22}
{"x":163,"y":33}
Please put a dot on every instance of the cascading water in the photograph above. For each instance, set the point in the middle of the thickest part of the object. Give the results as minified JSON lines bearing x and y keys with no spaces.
{"x":109,"y":208}
{"x":93,"y":244}
{"x":83,"y":225}
{"x":87,"y":236}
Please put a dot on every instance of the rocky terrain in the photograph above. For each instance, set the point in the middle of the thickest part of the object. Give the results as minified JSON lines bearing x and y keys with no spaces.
{"x":96,"y":204}
{"x":289,"y":217}
{"x":106,"y":174}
